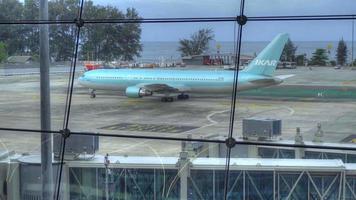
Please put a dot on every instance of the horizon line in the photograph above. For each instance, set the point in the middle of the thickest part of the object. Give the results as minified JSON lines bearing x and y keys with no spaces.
{"x":258,"y":41}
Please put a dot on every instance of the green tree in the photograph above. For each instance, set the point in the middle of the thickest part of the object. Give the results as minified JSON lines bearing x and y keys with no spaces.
{"x":320,"y":57}
{"x":289,"y":50}
{"x":301,"y":59}
{"x":341,"y":52}
{"x":3,"y":52}
{"x":111,"y":41}
{"x":31,"y":32}
{"x":130,"y":37}
{"x":12,"y":35}
{"x":197,"y":44}
{"x":105,"y":41}
{"x":62,"y":37}
{"x":333,"y":63}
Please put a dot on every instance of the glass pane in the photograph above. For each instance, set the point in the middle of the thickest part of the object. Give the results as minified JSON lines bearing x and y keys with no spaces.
{"x":29,"y":10}
{"x":28,"y":144}
{"x":20,"y":78}
{"x":134,"y":96}
{"x":142,"y":169}
{"x":307,"y":92}
{"x":313,"y":107}
{"x":258,"y":8}
{"x":20,"y":165}
{"x":283,"y":177}
{"x":98,"y":9}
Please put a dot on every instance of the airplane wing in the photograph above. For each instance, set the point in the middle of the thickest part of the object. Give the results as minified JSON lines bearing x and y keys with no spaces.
{"x":263,"y":81}
{"x":282,"y":77}
{"x":272,"y":80}
{"x":163,"y":88}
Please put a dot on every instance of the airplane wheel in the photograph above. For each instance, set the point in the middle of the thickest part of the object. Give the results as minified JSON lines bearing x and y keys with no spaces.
{"x":92,"y":93}
{"x":167,"y":99}
{"x":183,"y":96}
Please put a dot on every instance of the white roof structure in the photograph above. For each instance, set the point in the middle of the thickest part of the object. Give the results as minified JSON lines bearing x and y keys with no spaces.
{"x":217,"y":163}
{"x":252,"y":164}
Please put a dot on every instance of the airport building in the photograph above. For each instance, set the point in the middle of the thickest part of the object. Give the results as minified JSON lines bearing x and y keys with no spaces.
{"x":185,"y":178}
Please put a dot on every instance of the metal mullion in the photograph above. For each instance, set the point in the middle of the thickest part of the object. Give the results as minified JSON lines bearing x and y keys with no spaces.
{"x":33,"y":22}
{"x":184,"y":139}
{"x":29,"y":130}
{"x":161,"y":20}
{"x":183,"y":20}
{"x":69,"y":99}
{"x":255,"y":143}
{"x":302,"y":18}
{"x":147,"y":137}
{"x":233,"y":97}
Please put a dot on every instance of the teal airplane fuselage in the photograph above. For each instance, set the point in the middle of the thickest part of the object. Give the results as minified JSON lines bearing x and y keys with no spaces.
{"x":194,"y":81}
{"x":147,"y":82}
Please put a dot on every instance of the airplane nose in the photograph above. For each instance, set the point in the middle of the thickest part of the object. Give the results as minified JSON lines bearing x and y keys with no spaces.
{"x":82,"y":80}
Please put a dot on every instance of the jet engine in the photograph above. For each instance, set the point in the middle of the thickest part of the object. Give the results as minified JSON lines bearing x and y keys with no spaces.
{"x":136,"y":92}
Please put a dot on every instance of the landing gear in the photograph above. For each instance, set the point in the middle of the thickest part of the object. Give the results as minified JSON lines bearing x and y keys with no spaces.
{"x":183,"y":96}
{"x":92,"y":94}
{"x":167,"y":99}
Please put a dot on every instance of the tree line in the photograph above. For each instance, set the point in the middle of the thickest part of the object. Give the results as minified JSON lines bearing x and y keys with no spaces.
{"x":198,"y":43}
{"x":320,"y":56}
{"x":97,"y":41}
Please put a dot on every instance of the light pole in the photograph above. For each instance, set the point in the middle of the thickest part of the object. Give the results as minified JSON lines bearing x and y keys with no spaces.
{"x":46,"y":138}
{"x":352,"y":43}
{"x":107,"y":174}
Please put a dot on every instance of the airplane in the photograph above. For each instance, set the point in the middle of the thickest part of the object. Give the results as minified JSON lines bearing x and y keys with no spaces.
{"x":167,"y":83}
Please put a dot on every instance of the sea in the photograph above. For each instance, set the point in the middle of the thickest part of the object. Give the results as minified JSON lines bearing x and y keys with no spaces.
{"x":168,"y":51}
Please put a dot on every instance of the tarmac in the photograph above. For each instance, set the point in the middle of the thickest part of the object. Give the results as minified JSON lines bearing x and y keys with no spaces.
{"x":199,"y":117}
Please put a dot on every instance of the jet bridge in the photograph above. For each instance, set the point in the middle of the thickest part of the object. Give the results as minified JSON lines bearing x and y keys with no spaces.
{"x":185,"y":177}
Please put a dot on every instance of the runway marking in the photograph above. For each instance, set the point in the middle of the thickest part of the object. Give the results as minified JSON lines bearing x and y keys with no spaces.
{"x":349,"y":139}
{"x":164,"y":128}
{"x":208,"y":117}
{"x":291,"y":110}
{"x":213,"y":122}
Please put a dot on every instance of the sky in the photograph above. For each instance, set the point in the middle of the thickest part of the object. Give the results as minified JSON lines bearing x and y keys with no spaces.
{"x":253,"y":31}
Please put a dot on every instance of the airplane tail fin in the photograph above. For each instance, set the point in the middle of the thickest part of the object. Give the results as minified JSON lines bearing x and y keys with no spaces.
{"x":266,"y":62}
